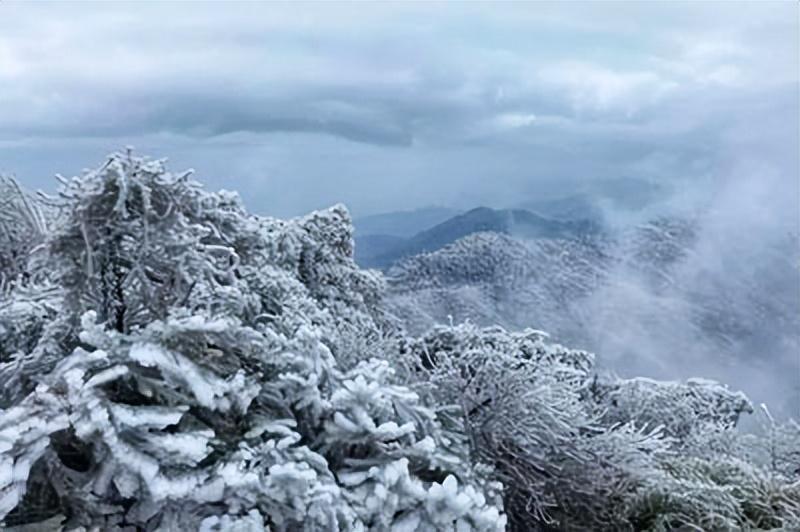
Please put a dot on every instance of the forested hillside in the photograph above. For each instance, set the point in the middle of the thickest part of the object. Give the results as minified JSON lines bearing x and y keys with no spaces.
{"x":655,"y":298}
{"x":169,"y":361}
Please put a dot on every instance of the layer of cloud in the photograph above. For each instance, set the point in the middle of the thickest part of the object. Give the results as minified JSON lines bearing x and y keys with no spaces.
{"x":391,"y":105}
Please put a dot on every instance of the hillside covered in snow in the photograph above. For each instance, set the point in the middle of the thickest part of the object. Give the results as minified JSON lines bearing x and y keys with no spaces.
{"x":651,"y":298}
{"x":169,"y":361}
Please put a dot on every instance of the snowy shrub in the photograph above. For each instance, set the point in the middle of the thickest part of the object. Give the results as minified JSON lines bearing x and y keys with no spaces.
{"x":576,"y":451}
{"x":712,"y":477}
{"x":519,"y":399}
{"x":24,"y":224}
{"x":717,"y":493}
{"x":29,"y":301}
{"x":188,"y":376}
{"x":677,"y":407}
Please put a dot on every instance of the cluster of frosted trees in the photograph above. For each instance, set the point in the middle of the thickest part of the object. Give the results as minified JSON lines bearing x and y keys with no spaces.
{"x":170,"y":362}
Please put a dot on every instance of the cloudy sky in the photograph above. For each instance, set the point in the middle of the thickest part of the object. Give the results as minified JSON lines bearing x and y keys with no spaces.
{"x":395,"y":106}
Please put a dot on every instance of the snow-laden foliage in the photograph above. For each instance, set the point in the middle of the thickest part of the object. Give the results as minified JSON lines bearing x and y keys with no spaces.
{"x":189,"y":377}
{"x":27,"y":301}
{"x":23,"y":227}
{"x":522,"y":403}
{"x":679,"y":408}
{"x":578,"y":451}
{"x":169,"y":361}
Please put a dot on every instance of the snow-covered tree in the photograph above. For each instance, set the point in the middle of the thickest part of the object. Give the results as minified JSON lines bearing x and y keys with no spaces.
{"x":521,"y":401}
{"x":190,"y":378}
{"x":579,"y":451}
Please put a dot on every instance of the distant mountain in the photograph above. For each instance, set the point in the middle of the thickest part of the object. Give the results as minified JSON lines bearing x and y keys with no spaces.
{"x":403,"y":224}
{"x":517,"y":222}
{"x":383,"y":239}
{"x":543,"y":282}
{"x":492,"y":278}
{"x":654,"y":297}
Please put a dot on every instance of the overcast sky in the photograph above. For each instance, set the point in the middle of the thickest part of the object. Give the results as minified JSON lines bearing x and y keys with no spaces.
{"x":394,"y":106}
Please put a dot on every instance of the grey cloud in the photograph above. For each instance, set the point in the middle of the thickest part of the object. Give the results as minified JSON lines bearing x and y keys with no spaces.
{"x":396,"y":105}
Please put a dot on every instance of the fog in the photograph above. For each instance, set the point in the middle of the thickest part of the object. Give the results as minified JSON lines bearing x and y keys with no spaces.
{"x":729,"y":311}
{"x":727,"y":305}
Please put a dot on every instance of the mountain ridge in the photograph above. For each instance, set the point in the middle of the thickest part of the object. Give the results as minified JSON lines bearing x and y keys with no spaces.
{"x":517,"y":222}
